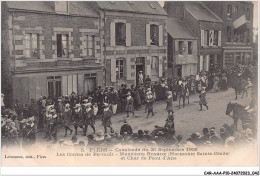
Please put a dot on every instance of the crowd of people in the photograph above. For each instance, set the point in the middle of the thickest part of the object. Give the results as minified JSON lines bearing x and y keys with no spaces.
{"x":48,"y":114}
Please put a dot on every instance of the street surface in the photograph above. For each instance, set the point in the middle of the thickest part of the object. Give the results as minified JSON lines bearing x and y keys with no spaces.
{"x":188,"y":120}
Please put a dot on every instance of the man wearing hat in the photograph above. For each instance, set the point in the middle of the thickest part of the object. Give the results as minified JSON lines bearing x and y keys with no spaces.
{"x":149,"y":98}
{"x":106,"y":118}
{"x":214,"y":138}
{"x":205,"y":136}
{"x":203,"y":100}
{"x":78,"y":118}
{"x":31,"y":134}
{"x":34,"y":111}
{"x":129,"y":104}
{"x":67,"y":118}
{"x":53,"y":124}
{"x":169,"y":103}
{"x":126,"y":128}
{"x":89,"y":118}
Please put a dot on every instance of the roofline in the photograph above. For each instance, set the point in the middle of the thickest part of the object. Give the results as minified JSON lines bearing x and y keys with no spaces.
{"x":212,"y":12}
{"x":51,"y":13}
{"x":125,"y":11}
{"x":190,"y":30}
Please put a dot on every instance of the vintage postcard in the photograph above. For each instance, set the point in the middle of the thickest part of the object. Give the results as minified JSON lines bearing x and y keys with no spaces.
{"x":129,"y":83}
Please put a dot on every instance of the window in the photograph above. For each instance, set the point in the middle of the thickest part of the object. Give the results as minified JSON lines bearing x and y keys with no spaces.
{"x":181,"y":47}
{"x":120,"y":69}
{"x":54,"y":86}
{"x":215,"y":39}
{"x":206,"y":36}
{"x":154,"y":66}
{"x":32,"y":46}
{"x":90,"y":43}
{"x":154,"y":34}
{"x":189,"y":48}
{"x":235,"y":9}
{"x":120,"y":34}
{"x":229,"y":11}
{"x":228,"y":34}
{"x":61,"y":6}
{"x":62,"y":45}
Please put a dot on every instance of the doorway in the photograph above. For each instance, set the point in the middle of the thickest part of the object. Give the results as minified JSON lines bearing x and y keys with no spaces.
{"x":139,"y":67}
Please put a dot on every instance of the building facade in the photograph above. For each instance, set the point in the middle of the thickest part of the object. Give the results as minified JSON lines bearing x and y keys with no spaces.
{"x":182,"y":49}
{"x":237,"y":30}
{"x":206,"y":26}
{"x":54,"y":49}
{"x":135,"y":40}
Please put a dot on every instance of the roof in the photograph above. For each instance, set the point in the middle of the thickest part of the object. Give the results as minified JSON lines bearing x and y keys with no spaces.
{"x":178,"y":29}
{"x":80,"y":8}
{"x":200,"y":12}
{"x":150,"y":7}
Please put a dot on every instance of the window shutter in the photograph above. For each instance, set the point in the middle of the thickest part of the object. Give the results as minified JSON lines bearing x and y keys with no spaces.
{"x":112,"y":34}
{"x":211,"y":37}
{"x":148,"y":37}
{"x":128,"y":68}
{"x":202,"y":37}
{"x":148,"y":66}
{"x":219,"y":38}
{"x":128,"y":34}
{"x":160,"y":35}
{"x":176,"y":42}
{"x":201,"y":63}
{"x":113,"y":70}
{"x":75,"y":83}
{"x":160,"y":67}
{"x":64,"y":81}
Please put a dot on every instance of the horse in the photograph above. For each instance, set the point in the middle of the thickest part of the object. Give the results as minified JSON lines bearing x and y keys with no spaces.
{"x":239,"y":112}
{"x":240,"y":86}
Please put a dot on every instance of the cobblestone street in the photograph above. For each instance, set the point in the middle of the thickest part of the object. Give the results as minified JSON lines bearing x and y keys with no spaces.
{"x":187,"y":120}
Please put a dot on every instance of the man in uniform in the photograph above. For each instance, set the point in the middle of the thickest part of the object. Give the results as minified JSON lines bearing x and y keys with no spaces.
{"x":89,"y":118}
{"x":53,"y":124}
{"x":77,"y":118}
{"x":106,"y":119}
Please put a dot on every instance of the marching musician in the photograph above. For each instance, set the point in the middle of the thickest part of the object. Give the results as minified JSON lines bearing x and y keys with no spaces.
{"x":77,"y":118}
{"x":89,"y":118}
{"x":67,"y":118}
{"x":106,"y":119}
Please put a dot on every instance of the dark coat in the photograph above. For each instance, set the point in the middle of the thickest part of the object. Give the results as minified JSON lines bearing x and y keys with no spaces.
{"x":77,"y":118}
{"x":169,"y":106}
{"x":203,"y":100}
{"x":106,"y":119}
{"x":67,"y":117}
{"x":89,"y":118}
{"x":129,"y":105}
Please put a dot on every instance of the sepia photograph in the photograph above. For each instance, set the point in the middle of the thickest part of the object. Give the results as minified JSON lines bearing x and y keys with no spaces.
{"x":130,"y":83}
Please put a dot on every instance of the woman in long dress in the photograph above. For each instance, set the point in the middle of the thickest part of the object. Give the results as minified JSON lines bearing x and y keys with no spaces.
{"x":215,"y":85}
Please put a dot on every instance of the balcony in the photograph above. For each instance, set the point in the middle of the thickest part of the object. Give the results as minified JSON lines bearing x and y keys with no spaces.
{"x":54,"y":64}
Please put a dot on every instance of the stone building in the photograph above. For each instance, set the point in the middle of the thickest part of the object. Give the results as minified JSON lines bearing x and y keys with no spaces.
{"x":206,"y":26}
{"x":135,"y":40}
{"x":51,"y":49}
{"x":237,"y":30}
{"x":182,"y":49}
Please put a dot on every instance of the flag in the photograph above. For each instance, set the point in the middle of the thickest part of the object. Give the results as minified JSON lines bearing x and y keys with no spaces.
{"x":240,"y":24}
